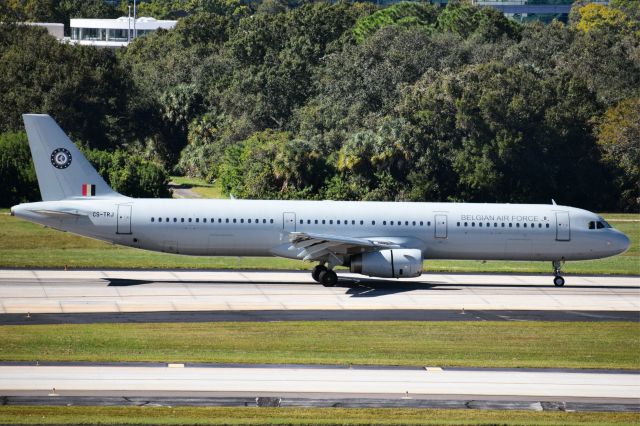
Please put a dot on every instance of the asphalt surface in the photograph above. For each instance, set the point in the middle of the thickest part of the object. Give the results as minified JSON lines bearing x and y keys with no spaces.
{"x":445,"y":402}
{"x":317,"y":315}
{"x":241,"y":293}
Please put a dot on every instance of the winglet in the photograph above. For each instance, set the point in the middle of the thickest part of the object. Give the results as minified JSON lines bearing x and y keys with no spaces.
{"x":553,"y":202}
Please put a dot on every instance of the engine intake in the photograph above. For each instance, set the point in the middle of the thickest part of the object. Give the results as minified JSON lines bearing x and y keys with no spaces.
{"x":400,"y":263}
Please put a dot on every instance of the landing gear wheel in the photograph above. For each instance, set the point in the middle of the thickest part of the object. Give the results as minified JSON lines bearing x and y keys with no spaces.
{"x":558,"y":281}
{"x":328,"y":278}
{"x":315,"y":274}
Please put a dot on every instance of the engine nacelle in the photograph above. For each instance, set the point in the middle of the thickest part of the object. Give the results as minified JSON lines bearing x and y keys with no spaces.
{"x":400,"y":263}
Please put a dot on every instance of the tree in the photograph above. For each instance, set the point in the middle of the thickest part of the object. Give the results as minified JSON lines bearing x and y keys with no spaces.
{"x":619,"y":139}
{"x":18,"y":176}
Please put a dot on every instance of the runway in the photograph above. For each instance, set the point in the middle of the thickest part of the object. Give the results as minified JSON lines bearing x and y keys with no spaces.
{"x":88,"y":291}
{"x":371,"y":386}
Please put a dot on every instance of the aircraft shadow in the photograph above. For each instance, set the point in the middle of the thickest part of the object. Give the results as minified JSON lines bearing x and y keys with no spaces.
{"x":370,"y":287}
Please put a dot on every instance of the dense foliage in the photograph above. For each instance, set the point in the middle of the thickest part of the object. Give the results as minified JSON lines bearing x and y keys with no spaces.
{"x":348,"y":101}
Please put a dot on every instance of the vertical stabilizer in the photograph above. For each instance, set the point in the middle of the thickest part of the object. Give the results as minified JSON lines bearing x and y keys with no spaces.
{"x":62,"y":169}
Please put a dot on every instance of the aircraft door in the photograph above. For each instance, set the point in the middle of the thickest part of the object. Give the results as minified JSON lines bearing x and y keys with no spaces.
{"x":441,"y":226}
{"x":124,"y":219}
{"x":289,"y":221}
{"x":563,"y":229}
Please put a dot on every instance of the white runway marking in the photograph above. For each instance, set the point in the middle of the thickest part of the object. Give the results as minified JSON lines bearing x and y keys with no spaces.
{"x":24,"y":291}
{"x":324,"y":380}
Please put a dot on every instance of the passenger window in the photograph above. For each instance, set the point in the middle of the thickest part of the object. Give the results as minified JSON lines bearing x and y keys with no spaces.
{"x":524,"y":224}
{"x":547,"y":225}
{"x":152,"y":219}
{"x":264,"y":220}
{"x":316,"y":221}
{"x":480,"y":224}
{"x":414,"y":223}
{"x":219,"y":220}
{"x":391,"y":223}
{"x":384,"y":222}
{"x":406,"y":223}
{"x":323,"y":221}
{"x":473,"y":224}
{"x":458,"y":224}
{"x":182,"y":219}
{"x":189,"y":220}
{"x":167,"y":220}
{"x":511,"y":225}
{"x":362,"y":222}
{"x":271,"y":221}
{"x":373,"y":222}
{"x":353,"y":222}
{"x":308,"y":221}
{"x":517,"y":225}
{"x":204,"y":220}
{"x":301,"y":221}
{"x":159,"y":219}
{"x":175,"y":219}
{"x":539,"y":225}
{"x":197,"y":219}
{"x":429,"y":223}
{"x":337,"y":221}
{"x":503,"y":224}
{"x":421,"y":223}
{"x":466,"y":223}
{"x":495,"y":225}
{"x":241,"y":220}
{"x":227,"y":220}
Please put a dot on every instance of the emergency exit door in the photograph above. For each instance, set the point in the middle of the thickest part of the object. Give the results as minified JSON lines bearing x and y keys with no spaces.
{"x":289,"y":221}
{"x":124,"y":219}
{"x":441,"y":226}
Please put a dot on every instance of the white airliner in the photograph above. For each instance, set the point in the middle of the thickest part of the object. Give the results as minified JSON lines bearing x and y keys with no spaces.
{"x":380,"y":239}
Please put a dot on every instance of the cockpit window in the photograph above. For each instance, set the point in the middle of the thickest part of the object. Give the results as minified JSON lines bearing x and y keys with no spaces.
{"x":599,"y":224}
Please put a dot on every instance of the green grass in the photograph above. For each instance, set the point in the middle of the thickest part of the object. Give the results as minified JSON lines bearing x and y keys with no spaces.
{"x":24,"y":244}
{"x":473,"y":344}
{"x":298,"y":416}
{"x":200,"y":187}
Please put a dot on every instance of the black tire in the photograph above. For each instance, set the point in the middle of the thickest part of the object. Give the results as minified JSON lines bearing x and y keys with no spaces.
{"x":315,"y":274}
{"x":558,"y":281}
{"x":328,"y":278}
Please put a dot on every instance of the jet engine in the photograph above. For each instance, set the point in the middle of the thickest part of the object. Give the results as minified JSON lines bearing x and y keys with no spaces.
{"x":400,"y":263}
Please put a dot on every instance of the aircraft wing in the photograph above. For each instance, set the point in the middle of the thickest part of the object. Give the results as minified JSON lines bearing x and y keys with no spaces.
{"x":317,"y":246}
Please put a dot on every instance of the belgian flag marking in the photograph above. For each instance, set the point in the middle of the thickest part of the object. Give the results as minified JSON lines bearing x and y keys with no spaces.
{"x":88,"y":190}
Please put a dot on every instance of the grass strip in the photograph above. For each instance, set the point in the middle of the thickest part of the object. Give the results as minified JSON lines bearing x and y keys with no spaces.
{"x":473,"y":344}
{"x":27,"y":245}
{"x":297,"y":416}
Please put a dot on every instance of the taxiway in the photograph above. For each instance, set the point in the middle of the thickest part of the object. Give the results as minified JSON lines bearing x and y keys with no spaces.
{"x":85,"y":291}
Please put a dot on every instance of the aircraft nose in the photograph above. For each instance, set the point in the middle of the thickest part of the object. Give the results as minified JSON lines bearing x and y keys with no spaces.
{"x":620,"y":243}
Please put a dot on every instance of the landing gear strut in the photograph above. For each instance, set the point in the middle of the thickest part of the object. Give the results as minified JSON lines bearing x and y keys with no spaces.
{"x":324,"y":276}
{"x":558,"y":281}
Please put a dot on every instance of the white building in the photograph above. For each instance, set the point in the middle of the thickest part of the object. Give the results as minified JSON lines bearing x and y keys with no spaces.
{"x":113,"y":32}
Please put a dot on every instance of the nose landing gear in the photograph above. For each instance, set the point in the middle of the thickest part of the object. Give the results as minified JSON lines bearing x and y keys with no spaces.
{"x":558,"y":281}
{"x":324,"y":276}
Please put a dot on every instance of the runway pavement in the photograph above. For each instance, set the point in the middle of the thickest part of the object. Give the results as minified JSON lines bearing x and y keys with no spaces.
{"x":67,"y":292}
{"x":320,"y":384}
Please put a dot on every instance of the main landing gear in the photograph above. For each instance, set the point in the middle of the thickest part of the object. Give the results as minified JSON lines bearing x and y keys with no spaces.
{"x":324,"y":276}
{"x":558,"y":281}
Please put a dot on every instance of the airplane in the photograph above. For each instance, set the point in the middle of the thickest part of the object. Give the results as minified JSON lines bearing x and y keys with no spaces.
{"x":378,"y":239}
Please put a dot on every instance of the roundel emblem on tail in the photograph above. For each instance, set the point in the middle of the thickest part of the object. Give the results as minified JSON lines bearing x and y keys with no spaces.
{"x":60,"y":158}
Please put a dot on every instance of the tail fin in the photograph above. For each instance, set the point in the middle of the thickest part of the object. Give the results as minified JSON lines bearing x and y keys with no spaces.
{"x":62,"y":170}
